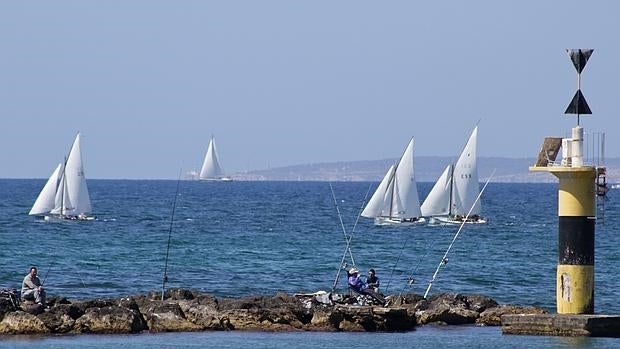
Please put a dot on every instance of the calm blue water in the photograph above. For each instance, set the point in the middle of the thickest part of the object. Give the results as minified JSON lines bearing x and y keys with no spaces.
{"x":242,"y":238}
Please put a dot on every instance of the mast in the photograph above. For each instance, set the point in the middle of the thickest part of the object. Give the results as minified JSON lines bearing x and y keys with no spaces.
{"x":64,"y":187}
{"x":451,"y":189}
{"x":400,"y":160}
{"x":393,"y":180}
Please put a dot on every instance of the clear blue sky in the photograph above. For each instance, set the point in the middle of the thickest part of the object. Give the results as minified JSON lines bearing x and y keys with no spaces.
{"x":291,"y":82}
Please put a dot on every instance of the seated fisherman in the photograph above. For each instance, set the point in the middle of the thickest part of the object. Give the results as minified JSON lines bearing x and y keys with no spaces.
{"x":358,"y":285}
{"x":32,"y":289}
{"x":372,"y":280}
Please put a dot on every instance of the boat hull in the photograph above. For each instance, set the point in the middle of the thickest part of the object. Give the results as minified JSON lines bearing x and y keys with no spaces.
{"x":221,"y":179}
{"x":448,"y":220}
{"x":398,"y":221}
{"x":53,"y":218}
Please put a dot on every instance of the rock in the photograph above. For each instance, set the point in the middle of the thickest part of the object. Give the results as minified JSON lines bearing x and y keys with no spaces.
{"x":326,"y":319}
{"x":393,"y":319}
{"x":394,"y":301}
{"x":278,"y":313}
{"x":57,"y":322}
{"x":480,"y":303}
{"x":70,"y":310}
{"x":167,"y":317}
{"x":95,"y":303}
{"x":54,"y":300}
{"x":131,"y":304}
{"x":362,"y":316}
{"x":492,"y":316}
{"x":451,"y":309}
{"x":280,"y":319}
{"x":350,"y":326}
{"x":20,"y":322}
{"x":8,"y":302}
{"x":110,"y":319}
{"x":186,"y":310}
{"x":32,"y":307}
{"x":178,"y":294}
{"x":204,"y":315}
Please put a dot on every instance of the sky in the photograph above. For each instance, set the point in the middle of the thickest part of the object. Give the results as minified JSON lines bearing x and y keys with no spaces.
{"x":281,"y":83}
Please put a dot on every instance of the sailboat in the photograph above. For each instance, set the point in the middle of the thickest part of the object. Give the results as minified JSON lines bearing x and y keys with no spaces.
{"x":65,"y":194}
{"x":211,"y":168}
{"x":396,"y":199}
{"x":456,"y":190}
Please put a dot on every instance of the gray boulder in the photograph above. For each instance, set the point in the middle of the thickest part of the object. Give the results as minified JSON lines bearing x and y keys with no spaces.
{"x":20,"y":322}
{"x":492,"y":316}
{"x":109,"y":319}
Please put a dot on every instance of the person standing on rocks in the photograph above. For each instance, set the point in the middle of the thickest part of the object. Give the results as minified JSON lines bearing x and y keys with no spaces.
{"x":358,"y":285}
{"x":32,"y":289}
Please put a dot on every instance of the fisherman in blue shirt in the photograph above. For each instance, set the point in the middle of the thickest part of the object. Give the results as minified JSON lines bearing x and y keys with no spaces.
{"x":360,"y":286}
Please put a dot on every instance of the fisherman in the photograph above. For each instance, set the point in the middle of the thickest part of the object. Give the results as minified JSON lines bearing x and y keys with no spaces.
{"x":372,"y":280}
{"x":358,"y":285}
{"x":32,"y":289}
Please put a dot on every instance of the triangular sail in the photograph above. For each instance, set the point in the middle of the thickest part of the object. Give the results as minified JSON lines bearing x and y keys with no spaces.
{"x":466,"y":185}
{"x":376,"y":203}
{"x":211,"y":166}
{"x":65,"y":192}
{"x":45,"y":202}
{"x":76,"y":181}
{"x":62,"y":201}
{"x":405,"y":201}
{"x":437,"y":203}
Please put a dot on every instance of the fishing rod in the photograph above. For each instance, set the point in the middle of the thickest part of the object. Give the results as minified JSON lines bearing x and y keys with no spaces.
{"x":174,"y":205}
{"x":48,"y":272}
{"x":344,"y":231}
{"x":411,"y":280}
{"x":349,"y":238}
{"x":387,"y":287}
{"x":444,"y":259}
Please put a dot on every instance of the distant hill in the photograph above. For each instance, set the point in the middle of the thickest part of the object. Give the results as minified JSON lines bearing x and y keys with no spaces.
{"x":428,"y":169}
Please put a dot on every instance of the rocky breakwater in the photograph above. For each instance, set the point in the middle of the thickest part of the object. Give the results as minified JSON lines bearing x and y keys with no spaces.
{"x":184,"y":310}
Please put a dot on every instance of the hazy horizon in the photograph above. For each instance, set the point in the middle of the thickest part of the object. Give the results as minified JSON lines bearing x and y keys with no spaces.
{"x":282,"y":83}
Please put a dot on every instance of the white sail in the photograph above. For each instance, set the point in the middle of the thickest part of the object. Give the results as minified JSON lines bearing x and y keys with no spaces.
{"x":45,"y":202}
{"x":211,"y":168}
{"x":405,"y":201}
{"x":457,"y":188}
{"x":76,"y":182}
{"x":466,"y":185}
{"x":437,"y":203}
{"x":65,"y":194}
{"x":62,"y":202}
{"x":376,"y":203}
{"x":396,"y":198}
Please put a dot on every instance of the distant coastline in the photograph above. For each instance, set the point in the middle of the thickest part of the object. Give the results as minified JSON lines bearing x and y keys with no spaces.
{"x":428,"y":169}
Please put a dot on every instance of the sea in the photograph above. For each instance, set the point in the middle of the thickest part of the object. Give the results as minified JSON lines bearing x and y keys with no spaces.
{"x":234,"y":239}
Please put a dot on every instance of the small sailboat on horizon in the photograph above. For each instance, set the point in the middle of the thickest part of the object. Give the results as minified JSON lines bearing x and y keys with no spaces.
{"x":457,"y":189}
{"x":396,"y":199}
{"x":211,"y":169}
{"x":65,"y":194}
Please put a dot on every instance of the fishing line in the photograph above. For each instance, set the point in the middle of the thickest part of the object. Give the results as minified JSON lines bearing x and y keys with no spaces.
{"x":48,"y":272}
{"x":444,"y":260}
{"x":344,"y":231}
{"x":80,"y":276}
{"x":174,"y":205}
{"x":411,"y":280}
{"x":350,"y":237}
